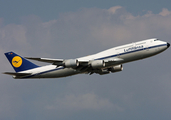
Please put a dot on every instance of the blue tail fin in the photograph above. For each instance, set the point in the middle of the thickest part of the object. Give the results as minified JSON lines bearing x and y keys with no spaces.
{"x":19,"y":63}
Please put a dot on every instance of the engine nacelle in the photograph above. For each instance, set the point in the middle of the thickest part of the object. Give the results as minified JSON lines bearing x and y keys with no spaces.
{"x":71,"y":63}
{"x":116,"y":68}
{"x":98,"y":64}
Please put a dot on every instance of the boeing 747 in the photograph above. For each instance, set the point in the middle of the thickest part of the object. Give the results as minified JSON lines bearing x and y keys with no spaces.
{"x":105,"y":62}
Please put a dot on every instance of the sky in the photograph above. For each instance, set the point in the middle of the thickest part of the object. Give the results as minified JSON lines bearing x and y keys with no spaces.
{"x":70,"y":29}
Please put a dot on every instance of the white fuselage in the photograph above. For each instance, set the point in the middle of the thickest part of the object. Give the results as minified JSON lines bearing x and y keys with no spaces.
{"x":128,"y":52}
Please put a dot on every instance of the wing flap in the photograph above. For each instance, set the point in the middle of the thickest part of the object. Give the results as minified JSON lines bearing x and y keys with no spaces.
{"x":116,"y":59}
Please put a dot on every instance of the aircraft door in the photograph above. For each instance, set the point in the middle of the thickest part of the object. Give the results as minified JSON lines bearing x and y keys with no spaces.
{"x":118,"y":54}
{"x":146,"y":48}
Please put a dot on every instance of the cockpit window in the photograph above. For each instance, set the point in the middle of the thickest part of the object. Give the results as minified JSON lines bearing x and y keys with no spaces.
{"x":156,"y":39}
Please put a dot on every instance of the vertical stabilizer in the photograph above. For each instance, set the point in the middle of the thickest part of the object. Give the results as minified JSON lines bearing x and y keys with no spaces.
{"x":19,"y":63}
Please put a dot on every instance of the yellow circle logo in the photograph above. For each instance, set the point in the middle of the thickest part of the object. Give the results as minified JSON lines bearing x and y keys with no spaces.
{"x":17,"y":61}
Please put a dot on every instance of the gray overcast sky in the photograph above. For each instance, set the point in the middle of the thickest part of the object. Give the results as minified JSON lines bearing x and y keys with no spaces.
{"x":13,"y":10}
{"x":74,"y":28}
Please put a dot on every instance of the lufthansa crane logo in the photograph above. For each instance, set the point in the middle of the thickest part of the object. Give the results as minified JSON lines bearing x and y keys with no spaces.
{"x":17,"y":61}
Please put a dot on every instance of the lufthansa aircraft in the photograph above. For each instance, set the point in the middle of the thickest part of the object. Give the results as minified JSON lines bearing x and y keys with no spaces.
{"x":108,"y":61}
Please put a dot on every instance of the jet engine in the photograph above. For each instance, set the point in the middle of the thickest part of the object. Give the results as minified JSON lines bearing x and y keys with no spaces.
{"x":116,"y":68}
{"x":98,"y":64}
{"x":71,"y":63}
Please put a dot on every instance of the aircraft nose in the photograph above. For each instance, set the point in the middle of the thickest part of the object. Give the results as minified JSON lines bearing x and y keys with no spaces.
{"x":168,"y":45}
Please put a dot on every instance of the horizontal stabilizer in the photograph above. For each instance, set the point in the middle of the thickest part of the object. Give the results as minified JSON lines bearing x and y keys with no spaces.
{"x":17,"y":74}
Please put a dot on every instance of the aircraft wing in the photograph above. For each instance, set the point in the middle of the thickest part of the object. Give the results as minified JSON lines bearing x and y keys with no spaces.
{"x":48,"y":60}
{"x":82,"y":63}
{"x":54,"y":61}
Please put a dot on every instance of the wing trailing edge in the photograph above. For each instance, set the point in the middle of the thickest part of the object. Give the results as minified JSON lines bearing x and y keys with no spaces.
{"x":48,"y":60}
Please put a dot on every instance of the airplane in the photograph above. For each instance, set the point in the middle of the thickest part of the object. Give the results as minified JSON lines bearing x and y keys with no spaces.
{"x":105,"y":62}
